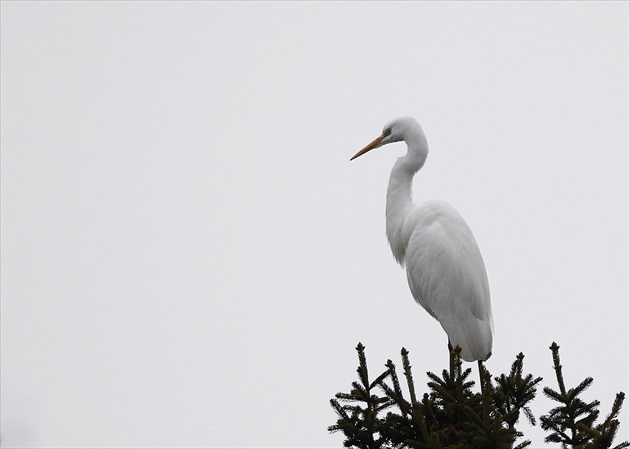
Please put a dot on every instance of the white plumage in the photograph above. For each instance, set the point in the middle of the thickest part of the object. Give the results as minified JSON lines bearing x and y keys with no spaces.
{"x":445,"y":270}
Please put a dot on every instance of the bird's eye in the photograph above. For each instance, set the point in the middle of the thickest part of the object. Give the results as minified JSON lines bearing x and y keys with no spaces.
{"x":387,"y":132}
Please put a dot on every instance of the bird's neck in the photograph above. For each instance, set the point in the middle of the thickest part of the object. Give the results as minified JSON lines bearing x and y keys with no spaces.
{"x":399,"y":193}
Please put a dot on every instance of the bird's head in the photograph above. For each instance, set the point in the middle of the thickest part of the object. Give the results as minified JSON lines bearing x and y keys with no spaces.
{"x":394,"y":131}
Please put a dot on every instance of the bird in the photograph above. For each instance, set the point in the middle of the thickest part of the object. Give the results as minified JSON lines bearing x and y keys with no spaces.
{"x":432,"y":241}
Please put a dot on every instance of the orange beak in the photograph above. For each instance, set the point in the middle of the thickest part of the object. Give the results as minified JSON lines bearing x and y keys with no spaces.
{"x":370,"y":146}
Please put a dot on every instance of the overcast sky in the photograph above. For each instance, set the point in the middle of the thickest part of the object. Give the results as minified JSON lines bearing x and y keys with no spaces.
{"x":189,"y":258}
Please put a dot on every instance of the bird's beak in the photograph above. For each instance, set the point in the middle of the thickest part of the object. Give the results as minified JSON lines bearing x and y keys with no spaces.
{"x":375,"y":144}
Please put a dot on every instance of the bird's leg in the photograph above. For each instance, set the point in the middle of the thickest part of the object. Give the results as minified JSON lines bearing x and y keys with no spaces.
{"x":481,"y":368}
{"x":451,"y":364}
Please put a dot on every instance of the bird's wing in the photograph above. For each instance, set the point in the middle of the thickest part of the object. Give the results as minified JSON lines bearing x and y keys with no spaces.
{"x":448,"y":278}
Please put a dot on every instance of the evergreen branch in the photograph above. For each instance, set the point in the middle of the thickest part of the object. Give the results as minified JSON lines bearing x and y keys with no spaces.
{"x":557,"y":366}
{"x":529,"y":415}
{"x":407,"y":370}
{"x":573,"y":422}
{"x":396,"y":393}
{"x":379,"y":380}
{"x":616,"y":408}
{"x":451,"y":416}
{"x":523,"y":445}
{"x":581,"y":387}
{"x":551,"y":394}
{"x":362,"y":369}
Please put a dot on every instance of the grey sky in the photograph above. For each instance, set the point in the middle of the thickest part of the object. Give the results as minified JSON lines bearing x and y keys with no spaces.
{"x":189,"y":257}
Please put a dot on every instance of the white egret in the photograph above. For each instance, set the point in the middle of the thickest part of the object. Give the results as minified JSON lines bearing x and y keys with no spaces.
{"x":445,"y":270}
